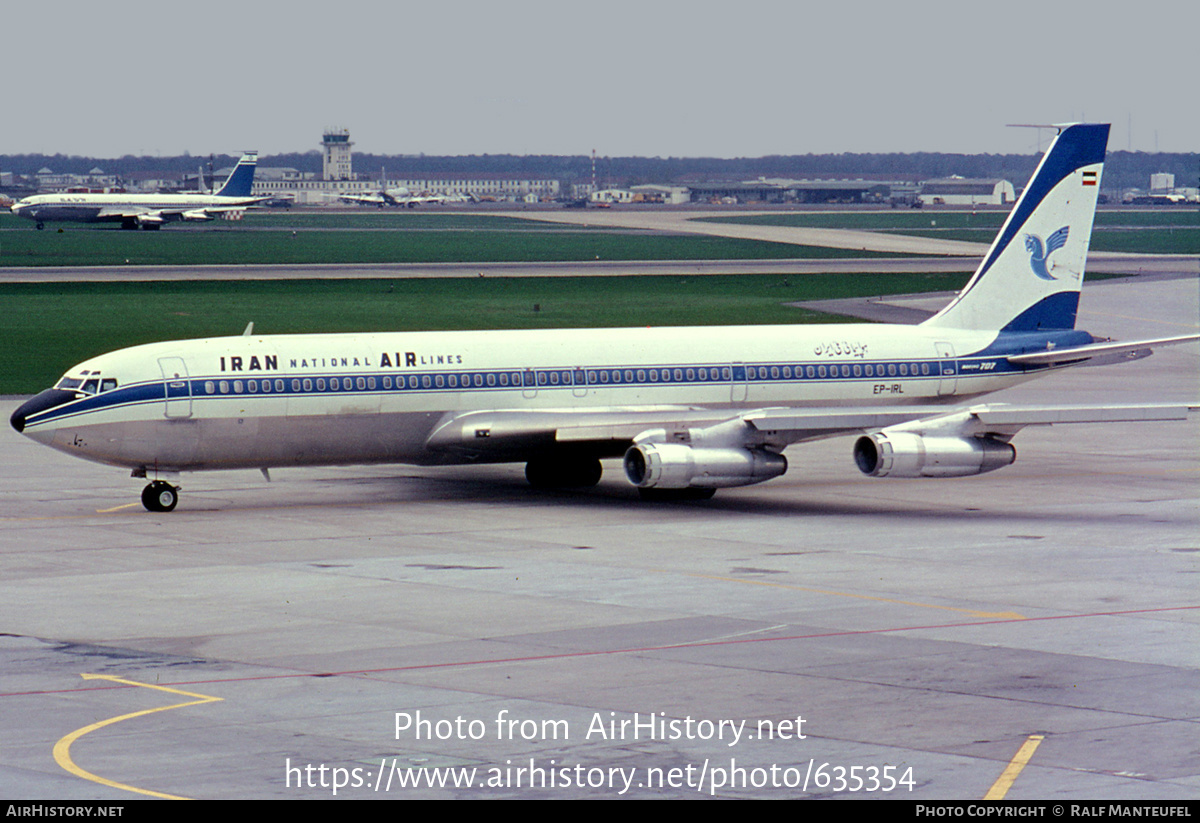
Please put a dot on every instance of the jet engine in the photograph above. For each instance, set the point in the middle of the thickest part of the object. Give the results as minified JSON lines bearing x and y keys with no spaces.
{"x":898,"y":453}
{"x":679,"y":466}
{"x":713,"y":457}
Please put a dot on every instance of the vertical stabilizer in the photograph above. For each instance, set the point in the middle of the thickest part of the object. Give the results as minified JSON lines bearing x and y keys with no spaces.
{"x":241,"y":179}
{"x":1031,"y":275}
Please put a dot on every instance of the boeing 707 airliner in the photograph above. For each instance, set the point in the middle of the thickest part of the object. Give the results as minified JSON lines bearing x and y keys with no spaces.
{"x":690,"y":410}
{"x":146,"y":211}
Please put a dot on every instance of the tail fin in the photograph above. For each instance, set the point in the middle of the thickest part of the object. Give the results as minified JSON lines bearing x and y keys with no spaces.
{"x":241,"y":179}
{"x":1031,"y":275}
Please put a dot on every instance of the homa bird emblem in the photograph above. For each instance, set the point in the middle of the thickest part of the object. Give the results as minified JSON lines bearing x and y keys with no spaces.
{"x":1038,"y":257}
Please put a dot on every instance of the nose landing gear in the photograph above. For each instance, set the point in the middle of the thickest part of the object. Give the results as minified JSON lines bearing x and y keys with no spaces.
{"x":160,"y":496}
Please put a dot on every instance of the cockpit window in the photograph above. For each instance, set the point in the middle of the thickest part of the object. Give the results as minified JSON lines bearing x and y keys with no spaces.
{"x":87,"y":385}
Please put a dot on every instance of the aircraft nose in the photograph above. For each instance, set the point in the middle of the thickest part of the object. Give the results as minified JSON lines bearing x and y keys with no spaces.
{"x":39,"y":403}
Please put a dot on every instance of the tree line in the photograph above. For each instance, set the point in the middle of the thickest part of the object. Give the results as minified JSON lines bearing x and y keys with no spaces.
{"x":1123,"y":169}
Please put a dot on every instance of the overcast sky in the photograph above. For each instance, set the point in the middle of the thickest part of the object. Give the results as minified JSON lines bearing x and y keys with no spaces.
{"x":741,"y":78}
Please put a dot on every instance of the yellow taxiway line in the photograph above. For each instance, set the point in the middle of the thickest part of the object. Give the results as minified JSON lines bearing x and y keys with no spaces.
{"x":62,"y":749}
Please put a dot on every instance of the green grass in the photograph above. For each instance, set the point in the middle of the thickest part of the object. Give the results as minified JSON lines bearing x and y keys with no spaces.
{"x":45,"y":328}
{"x":394,"y":219}
{"x":220,"y":245}
{"x":287,"y":220}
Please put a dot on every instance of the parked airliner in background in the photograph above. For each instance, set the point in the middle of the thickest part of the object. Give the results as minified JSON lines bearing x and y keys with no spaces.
{"x":690,"y":409}
{"x":401,"y":196}
{"x":147,"y":211}
{"x":396,"y":197}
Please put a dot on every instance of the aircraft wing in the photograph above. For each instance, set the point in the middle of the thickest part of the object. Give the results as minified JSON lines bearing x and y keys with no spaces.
{"x":991,"y":419}
{"x":159,"y":216}
{"x":1097,"y":353}
{"x":123,"y":213}
{"x":490,"y":435}
{"x":610,"y":431}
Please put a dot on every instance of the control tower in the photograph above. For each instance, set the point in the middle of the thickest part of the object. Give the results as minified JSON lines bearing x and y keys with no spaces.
{"x":336,"y":144}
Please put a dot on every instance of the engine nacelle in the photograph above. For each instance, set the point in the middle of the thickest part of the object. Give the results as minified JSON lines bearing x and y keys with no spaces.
{"x":679,"y":466}
{"x":907,"y":454}
{"x":198,"y":215}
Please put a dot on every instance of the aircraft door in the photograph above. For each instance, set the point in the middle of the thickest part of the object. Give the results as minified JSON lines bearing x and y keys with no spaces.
{"x":947,"y":368}
{"x":738,"y":385}
{"x":177,"y":389}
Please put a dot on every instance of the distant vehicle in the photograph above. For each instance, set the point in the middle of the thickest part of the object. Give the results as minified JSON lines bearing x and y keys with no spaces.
{"x":145,"y":211}
{"x":1155,"y":200}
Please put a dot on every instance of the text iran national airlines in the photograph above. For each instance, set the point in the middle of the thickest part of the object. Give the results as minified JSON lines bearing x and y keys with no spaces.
{"x":690,"y":409}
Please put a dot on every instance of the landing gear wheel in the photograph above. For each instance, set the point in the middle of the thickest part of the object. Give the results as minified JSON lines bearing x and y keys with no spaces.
{"x":565,"y":474}
{"x":160,"y":496}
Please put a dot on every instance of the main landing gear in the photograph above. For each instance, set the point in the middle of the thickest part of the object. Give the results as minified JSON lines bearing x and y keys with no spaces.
{"x":551,"y":473}
{"x":160,"y":496}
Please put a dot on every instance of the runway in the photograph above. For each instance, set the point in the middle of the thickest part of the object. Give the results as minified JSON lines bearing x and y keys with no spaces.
{"x":366,"y":626}
{"x":1098,"y":263}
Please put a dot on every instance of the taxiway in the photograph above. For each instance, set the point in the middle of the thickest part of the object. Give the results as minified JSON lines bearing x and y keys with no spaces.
{"x":925,"y":628}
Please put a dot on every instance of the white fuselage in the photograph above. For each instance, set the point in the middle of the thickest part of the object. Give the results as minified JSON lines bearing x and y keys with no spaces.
{"x":87,"y":208}
{"x":263,"y":401}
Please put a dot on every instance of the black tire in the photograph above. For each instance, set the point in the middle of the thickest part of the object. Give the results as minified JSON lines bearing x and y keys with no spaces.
{"x":563,"y":474}
{"x":160,"y":496}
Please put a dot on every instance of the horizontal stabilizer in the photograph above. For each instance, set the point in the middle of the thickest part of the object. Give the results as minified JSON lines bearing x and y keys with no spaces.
{"x":1131,"y":350}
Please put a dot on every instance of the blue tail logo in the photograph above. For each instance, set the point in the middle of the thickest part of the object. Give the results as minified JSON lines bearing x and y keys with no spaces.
{"x":1038,"y":258}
